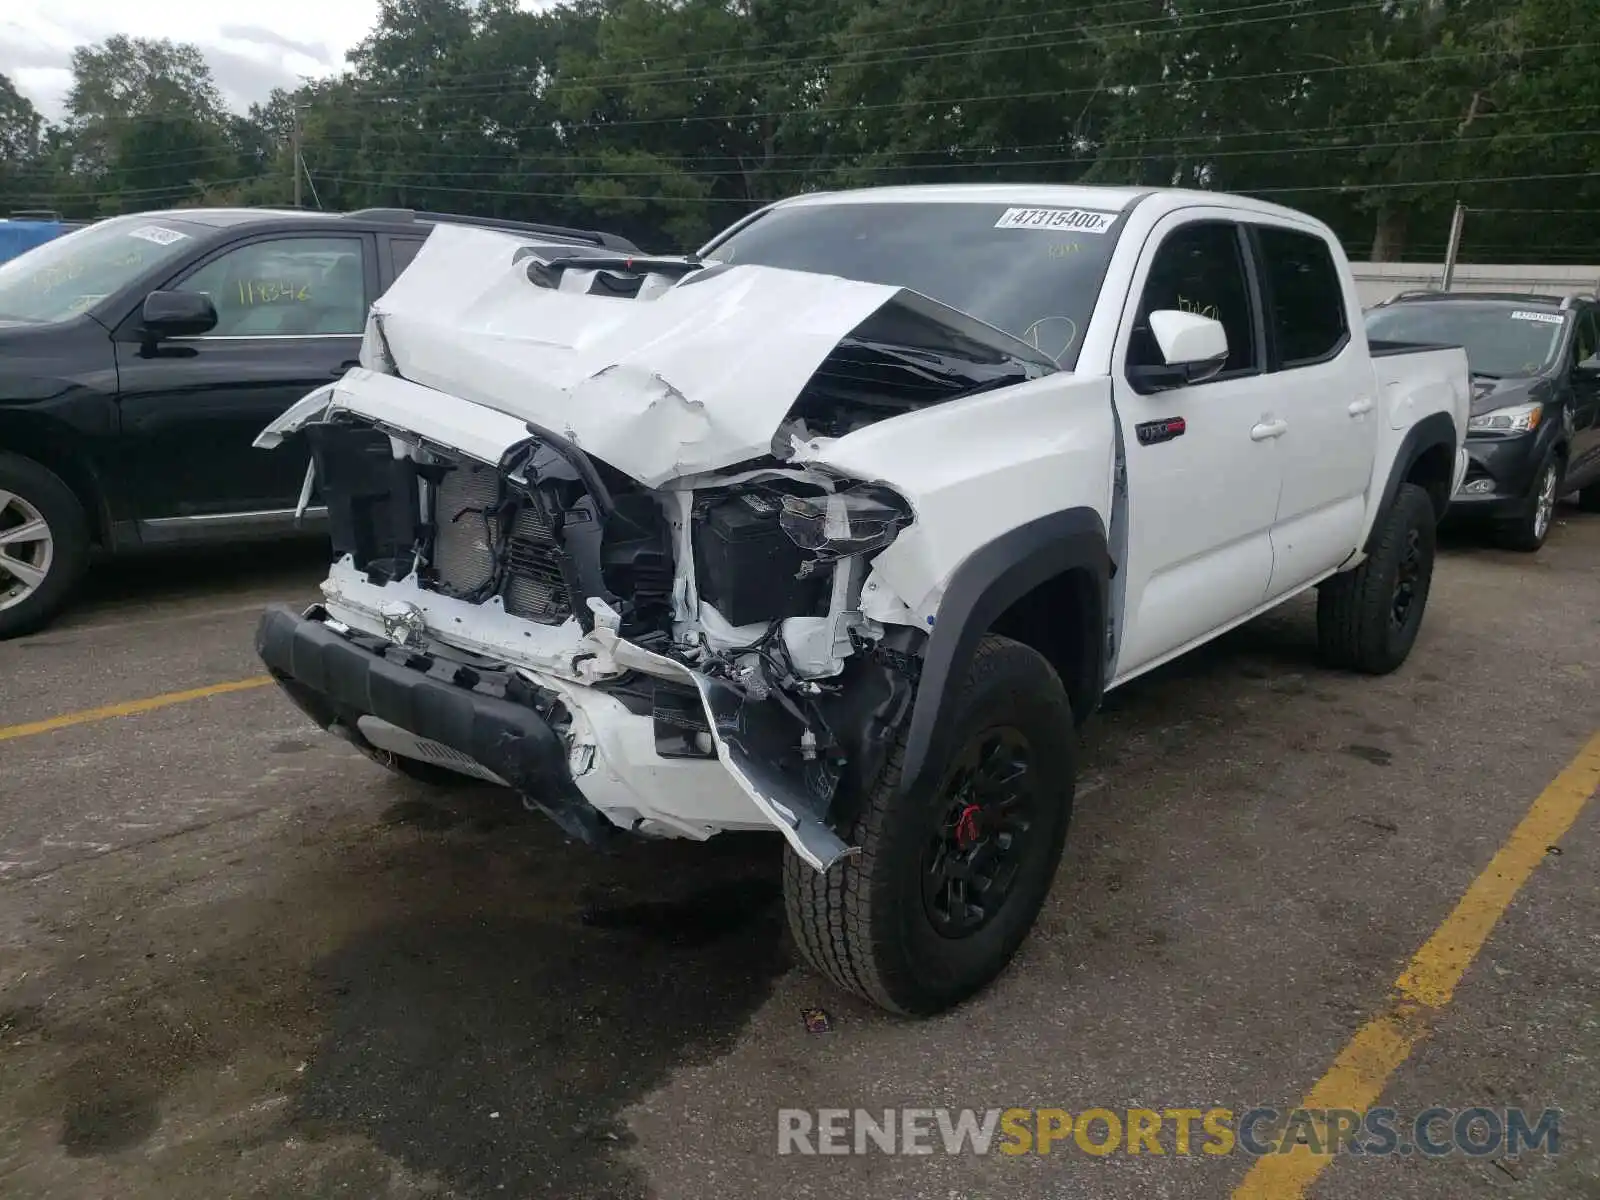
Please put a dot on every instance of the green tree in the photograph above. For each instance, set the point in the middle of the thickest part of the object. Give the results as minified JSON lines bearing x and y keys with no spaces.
{"x":21,"y":132}
{"x":146,"y":123}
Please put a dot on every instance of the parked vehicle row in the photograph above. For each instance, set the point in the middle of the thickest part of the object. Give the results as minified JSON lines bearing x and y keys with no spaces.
{"x":1534,"y":433}
{"x":139,"y":358}
{"x":840,"y":527}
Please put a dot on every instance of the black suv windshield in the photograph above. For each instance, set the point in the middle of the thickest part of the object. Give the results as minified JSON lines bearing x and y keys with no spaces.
{"x":1502,"y":338}
{"x":63,"y":277}
{"x":1033,"y":272}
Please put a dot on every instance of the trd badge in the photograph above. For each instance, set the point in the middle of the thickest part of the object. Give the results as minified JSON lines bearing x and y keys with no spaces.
{"x":1164,"y":430}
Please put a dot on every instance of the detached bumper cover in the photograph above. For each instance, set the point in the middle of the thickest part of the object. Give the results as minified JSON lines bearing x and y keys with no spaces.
{"x":335,"y":681}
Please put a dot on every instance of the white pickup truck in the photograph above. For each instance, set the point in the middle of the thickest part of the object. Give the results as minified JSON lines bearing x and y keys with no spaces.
{"x":842,"y":525}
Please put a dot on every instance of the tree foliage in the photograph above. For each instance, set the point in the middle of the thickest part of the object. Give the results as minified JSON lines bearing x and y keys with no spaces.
{"x":667,"y":119}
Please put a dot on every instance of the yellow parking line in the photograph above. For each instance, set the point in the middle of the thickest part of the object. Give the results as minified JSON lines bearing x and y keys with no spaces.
{"x":1358,"y":1075}
{"x":128,"y":708}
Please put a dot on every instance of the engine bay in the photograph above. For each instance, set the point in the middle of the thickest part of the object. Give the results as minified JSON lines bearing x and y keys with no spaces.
{"x":748,"y":583}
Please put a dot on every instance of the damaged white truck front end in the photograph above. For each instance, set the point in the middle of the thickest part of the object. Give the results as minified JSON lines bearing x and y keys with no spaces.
{"x":659,"y":545}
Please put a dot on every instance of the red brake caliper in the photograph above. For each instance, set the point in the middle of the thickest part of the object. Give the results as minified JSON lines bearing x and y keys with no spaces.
{"x":967,"y":826}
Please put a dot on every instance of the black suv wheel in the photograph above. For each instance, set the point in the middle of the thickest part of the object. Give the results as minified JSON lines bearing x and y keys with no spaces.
{"x":1528,"y":532}
{"x":946,"y":887}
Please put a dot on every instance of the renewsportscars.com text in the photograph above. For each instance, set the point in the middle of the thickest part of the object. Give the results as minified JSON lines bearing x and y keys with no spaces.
{"x":1434,"y":1132}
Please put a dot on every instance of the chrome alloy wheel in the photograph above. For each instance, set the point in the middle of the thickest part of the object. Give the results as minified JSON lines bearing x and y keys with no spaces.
{"x":26,"y":549}
{"x":1545,"y":505}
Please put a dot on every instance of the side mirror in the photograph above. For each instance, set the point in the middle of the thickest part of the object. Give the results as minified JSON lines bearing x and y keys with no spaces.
{"x":1193,"y":348}
{"x":177,"y":314}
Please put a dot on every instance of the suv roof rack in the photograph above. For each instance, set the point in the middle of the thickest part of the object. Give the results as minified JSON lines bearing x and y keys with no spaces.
{"x":593,"y":237}
{"x":35,"y":214}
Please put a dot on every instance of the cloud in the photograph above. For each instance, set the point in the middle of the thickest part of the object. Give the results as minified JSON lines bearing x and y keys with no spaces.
{"x":267,"y":37}
{"x":246,"y":80}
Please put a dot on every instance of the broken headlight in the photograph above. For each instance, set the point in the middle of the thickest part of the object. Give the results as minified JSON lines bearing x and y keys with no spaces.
{"x":858,"y":520}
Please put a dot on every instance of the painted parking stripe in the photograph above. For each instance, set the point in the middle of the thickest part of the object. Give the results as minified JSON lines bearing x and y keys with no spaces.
{"x":1362,"y":1070}
{"x":129,"y":708}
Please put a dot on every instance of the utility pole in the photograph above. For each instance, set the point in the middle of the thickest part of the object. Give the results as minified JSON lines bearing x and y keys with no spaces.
{"x":294,"y":154}
{"x":1454,"y":248}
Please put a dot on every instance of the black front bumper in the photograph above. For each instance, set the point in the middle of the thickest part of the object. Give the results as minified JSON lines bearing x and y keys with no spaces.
{"x":1502,"y":473}
{"x":499,"y":721}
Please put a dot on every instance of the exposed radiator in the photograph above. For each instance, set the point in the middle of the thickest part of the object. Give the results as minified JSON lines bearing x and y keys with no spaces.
{"x":468,"y":529}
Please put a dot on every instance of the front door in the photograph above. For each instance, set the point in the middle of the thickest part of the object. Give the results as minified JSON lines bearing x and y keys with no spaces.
{"x":290,"y":311}
{"x":1583,"y":464}
{"x":1200,"y":504}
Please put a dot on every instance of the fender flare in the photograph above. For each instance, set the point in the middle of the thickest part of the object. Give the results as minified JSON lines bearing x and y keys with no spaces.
{"x":1435,"y":429}
{"x":986,"y":583}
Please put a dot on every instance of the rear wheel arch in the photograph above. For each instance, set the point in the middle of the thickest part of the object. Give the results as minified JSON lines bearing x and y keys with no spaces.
{"x":1427,"y":458}
{"x":1044,"y":584}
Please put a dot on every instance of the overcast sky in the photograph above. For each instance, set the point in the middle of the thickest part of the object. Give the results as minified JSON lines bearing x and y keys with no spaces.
{"x":253,"y":45}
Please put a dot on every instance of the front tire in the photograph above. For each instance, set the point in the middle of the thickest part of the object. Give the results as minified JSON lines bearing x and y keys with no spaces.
{"x":1368,"y":618}
{"x":1527,"y":533}
{"x":946,"y":888}
{"x":44,"y":545}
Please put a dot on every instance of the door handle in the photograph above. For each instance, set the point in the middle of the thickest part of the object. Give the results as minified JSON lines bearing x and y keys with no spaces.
{"x":1361,"y":407}
{"x":1268,"y":429}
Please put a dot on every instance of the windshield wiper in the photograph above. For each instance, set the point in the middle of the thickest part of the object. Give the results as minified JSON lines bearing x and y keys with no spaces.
{"x":1484,"y":375}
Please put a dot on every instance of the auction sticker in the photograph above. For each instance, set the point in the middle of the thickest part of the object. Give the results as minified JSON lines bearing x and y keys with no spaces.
{"x":1076,"y":220}
{"x":1546,"y":318}
{"x":157,"y":234}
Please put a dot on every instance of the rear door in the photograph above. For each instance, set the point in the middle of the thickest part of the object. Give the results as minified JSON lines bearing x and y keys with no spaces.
{"x":1201,"y":502}
{"x":398,"y":252}
{"x":290,"y":312}
{"x":1326,"y":392}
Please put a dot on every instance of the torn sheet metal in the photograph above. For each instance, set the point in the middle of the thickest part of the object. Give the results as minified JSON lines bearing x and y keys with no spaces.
{"x":746,"y":750}
{"x":442,"y":420}
{"x":694,"y":380}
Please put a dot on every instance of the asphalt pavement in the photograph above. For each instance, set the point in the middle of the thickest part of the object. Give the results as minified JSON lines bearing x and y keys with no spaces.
{"x":239,"y":960}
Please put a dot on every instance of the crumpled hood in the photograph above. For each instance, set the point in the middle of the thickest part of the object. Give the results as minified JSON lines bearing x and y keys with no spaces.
{"x":697,"y":379}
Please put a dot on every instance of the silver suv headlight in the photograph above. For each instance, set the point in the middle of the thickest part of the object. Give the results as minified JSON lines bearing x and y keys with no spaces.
{"x":1518,"y":418}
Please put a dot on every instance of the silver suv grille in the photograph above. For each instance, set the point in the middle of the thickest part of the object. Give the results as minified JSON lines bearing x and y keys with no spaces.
{"x":467,"y":531}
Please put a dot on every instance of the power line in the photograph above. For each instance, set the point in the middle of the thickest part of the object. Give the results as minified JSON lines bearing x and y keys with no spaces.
{"x":1078,"y":160}
{"x":695,"y":72}
{"x":403,"y":184}
{"x":1051,"y":93}
{"x":736,"y":161}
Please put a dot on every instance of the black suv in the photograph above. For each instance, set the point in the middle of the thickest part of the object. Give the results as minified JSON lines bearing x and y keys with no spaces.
{"x":1534,"y":433}
{"x":140,"y":357}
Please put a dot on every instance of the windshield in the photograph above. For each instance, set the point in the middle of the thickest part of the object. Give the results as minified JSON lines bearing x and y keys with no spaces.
{"x":74,"y":272}
{"x":1033,"y":272}
{"x":1502,"y":338}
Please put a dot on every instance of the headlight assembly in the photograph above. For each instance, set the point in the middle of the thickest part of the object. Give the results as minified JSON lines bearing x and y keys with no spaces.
{"x":858,"y":520}
{"x":1519,"y":418}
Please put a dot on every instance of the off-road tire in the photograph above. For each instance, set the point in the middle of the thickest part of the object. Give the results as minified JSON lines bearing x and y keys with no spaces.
{"x":1524,"y":534}
{"x":69,"y":532}
{"x":1355,"y":628}
{"x":863,"y":923}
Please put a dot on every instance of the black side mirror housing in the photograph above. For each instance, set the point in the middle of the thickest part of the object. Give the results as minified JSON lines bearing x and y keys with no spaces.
{"x":1165,"y":377}
{"x":177,"y":314}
